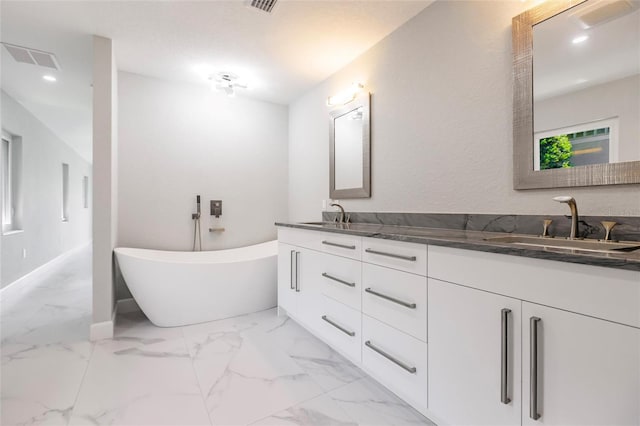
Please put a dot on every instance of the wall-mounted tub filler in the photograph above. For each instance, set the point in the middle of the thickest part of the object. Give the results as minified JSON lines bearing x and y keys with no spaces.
{"x":197,"y":235}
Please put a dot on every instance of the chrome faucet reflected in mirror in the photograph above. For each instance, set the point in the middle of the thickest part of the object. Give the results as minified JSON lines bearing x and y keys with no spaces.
{"x":574,"y":214}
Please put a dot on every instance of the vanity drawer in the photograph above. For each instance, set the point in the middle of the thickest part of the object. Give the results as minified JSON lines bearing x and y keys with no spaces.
{"x":341,"y":279}
{"x":396,"y":360}
{"x":409,"y":257}
{"x":396,"y":298}
{"x":341,"y":327}
{"x":328,"y":242}
{"x":339,"y":244}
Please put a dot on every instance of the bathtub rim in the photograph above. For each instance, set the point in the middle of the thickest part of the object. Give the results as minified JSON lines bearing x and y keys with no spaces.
{"x":222,"y":256}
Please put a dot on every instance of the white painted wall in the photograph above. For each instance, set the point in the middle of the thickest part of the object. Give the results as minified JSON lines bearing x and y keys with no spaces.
{"x":44,"y":234}
{"x":105,"y":186}
{"x":178,"y":140}
{"x":441,"y":122}
{"x":618,"y":98}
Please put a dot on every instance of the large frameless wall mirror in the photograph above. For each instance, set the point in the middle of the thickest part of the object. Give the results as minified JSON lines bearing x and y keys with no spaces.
{"x":350,"y":155}
{"x":577,"y":94}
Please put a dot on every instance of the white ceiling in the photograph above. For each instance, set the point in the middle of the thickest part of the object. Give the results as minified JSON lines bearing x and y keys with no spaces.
{"x":280,"y":55}
{"x":611,"y":52}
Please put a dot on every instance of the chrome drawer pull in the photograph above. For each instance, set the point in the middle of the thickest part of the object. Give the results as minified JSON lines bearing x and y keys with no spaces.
{"x":391,"y":299}
{"x":291,"y":278}
{"x":533,"y":368}
{"x":397,"y":256}
{"x":324,"y":274}
{"x":329,"y":243}
{"x":401,"y":364}
{"x":344,"y":330}
{"x":298,"y":271}
{"x":504,"y":357}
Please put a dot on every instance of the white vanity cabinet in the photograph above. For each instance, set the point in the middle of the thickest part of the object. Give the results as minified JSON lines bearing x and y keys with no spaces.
{"x":474,"y":356}
{"x":297,"y":286}
{"x":587,"y":370}
{"x":287,"y":277}
{"x":576,"y":369}
{"x":469,"y":337}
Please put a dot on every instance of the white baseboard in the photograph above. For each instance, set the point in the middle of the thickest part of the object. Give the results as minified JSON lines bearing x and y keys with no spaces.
{"x":101,"y":330}
{"x":124,"y":306}
{"x":45,"y":268}
{"x":104,"y":330}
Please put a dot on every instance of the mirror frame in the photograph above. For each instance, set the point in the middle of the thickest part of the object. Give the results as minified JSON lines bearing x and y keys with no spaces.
{"x":363,"y":100}
{"x":524,"y":176}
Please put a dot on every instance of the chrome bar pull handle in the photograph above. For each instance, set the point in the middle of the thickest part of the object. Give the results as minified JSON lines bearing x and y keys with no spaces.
{"x":400,"y":364}
{"x":298,"y":271}
{"x":391,"y":299}
{"x":329,"y":243}
{"x":533,"y":368}
{"x":396,"y":256}
{"x":339,"y":327}
{"x":504,"y":357}
{"x":291,"y":266}
{"x":347,"y":283}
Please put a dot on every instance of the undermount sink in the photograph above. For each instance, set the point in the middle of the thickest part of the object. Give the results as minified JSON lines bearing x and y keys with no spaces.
{"x":590,"y":245}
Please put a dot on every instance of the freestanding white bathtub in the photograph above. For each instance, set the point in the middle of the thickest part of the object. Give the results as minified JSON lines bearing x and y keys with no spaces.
{"x":178,"y":288}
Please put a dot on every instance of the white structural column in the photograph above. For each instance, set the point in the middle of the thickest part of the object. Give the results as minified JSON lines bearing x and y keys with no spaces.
{"x":105,"y":142}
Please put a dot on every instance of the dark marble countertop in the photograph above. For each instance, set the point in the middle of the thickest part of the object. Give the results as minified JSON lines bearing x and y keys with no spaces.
{"x":476,"y":240}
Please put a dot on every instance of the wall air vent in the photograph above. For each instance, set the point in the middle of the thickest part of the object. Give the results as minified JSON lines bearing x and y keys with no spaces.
{"x":264,"y":5}
{"x":602,"y":11}
{"x":27,"y":55}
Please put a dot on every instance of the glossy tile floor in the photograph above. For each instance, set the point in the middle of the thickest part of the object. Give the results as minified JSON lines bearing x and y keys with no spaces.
{"x":258,"y":369}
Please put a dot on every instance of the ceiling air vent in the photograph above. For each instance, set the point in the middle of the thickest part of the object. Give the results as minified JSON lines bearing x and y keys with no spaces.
{"x":32,"y":56}
{"x":264,"y":5}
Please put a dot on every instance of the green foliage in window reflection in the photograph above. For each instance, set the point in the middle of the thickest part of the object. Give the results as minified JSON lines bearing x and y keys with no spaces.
{"x":555,"y":152}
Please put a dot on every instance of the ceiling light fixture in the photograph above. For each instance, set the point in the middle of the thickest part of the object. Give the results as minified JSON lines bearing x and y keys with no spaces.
{"x":345,"y":96}
{"x":226,"y":82}
{"x":49,"y":78}
{"x":580,"y":39}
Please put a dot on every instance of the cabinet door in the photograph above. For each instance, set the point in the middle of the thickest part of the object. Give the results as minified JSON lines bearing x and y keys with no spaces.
{"x":307,"y":292}
{"x":287,"y":277}
{"x":587,"y":370}
{"x":471,"y":382}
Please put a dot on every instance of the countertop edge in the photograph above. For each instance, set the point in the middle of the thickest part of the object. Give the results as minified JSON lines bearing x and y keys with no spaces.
{"x":485,"y":246}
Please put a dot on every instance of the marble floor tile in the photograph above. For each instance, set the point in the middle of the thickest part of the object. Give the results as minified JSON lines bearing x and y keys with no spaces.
{"x":368,"y":403}
{"x":326,"y":366}
{"x":245,"y":378}
{"x":40,"y":382}
{"x":140,"y":382}
{"x":320,"y":411}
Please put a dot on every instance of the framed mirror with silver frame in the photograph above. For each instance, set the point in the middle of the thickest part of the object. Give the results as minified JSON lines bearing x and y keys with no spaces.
{"x":350,"y":149}
{"x":576,"y":103}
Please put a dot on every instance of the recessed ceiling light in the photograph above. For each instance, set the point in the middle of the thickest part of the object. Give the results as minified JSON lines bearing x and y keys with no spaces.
{"x":49,"y":78}
{"x":580,"y":39}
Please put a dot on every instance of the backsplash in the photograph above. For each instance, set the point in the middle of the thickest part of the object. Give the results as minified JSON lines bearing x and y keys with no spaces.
{"x":627,"y":228}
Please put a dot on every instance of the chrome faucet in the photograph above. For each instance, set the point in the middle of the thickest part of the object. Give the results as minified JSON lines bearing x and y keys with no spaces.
{"x":341,"y":220}
{"x":574,"y":214}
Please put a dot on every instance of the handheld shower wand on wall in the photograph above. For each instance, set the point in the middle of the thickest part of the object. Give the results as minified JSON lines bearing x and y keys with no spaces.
{"x":197,"y":234}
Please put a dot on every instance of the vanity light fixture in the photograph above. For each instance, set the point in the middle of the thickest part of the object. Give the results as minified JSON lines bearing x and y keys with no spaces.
{"x":580,"y":39}
{"x":345,"y":96}
{"x":49,"y":78}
